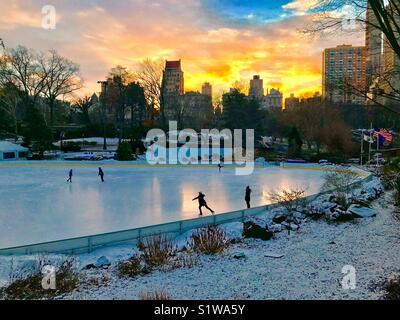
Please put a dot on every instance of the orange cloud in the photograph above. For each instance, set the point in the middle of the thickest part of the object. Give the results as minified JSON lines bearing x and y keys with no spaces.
{"x":125,"y":32}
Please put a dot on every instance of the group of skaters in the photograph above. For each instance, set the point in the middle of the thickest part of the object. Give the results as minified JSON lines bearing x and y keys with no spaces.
{"x":100,"y":174}
{"x":200,"y":197}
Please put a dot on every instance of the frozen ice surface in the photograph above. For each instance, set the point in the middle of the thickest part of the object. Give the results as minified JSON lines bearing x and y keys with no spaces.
{"x":38,"y":205}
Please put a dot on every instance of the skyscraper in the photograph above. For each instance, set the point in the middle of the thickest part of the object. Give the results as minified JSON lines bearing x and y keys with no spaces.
{"x":374,"y":47}
{"x":256,"y":88}
{"x":206,"y":89}
{"x":173,"y":83}
{"x":344,"y":74}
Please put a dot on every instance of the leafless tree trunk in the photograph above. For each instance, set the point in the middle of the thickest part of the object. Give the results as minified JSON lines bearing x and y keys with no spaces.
{"x":61,"y":78}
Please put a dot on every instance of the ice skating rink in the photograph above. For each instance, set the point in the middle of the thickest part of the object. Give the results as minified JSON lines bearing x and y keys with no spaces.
{"x":38,"y":205}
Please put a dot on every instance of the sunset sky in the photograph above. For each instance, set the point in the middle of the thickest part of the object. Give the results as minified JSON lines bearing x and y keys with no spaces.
{"x":219,"y":41}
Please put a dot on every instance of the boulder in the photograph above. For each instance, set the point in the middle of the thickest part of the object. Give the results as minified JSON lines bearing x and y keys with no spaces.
{"x":361,"y":212}
{"x":253,"y":230}
{"x":102,"y":262}
{"x":279,"y":218}
{"x":290,"y":226}
{"x":274,"y":255}
{"x":239,"y":255}
{"x":341,"y":215}
{"x":275,"y":227}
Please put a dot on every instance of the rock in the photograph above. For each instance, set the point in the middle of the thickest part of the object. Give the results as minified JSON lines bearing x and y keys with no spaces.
{"x":275,"y":227}
{"x":299,"y":215}
{"x":290,"y":226}
{"x":253,"y":230}
{"x":102,"y":262}
{"x":279,"y":218}
{"x":274,"y":255}
{"x":89,"y":266}
{"x":239,"y":255}
{"x":341,"y":215}
{"x":361,"y":212}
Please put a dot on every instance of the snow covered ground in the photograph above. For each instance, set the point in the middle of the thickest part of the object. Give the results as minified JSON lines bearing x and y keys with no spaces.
{"x":311,"y":266}
{"x":38,"y":205}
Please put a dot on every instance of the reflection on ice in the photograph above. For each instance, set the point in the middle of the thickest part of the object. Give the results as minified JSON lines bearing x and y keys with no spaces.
{"x":38,"y":205}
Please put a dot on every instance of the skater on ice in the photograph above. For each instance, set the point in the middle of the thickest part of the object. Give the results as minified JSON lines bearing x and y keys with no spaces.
{"x":202,"y":202}
{"x":101,"y":174}
{"x":247,"y":196}
{"x":220,"y":167}
{"x":70,"y":176}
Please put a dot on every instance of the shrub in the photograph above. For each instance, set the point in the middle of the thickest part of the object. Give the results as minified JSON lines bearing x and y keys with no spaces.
{"x":157,"y":250}
{"x":340,"y":183}
{"x":290,"y":199}
{"x":392,"y":290}
{"x":209,"y":240}
{"x":185,"y":261}
{"x":124,"y":152}
{"x":28,"y":285}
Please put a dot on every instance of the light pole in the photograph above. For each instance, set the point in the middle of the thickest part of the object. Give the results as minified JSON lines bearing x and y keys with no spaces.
{"x":103,"y":104}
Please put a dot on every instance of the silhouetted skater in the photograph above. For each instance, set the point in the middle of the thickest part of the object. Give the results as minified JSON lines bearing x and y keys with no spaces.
{"x":220,"y":167}
{"x":101,"y":174}
{"x":70,"y":174}
{"x":202,"y":203}
{"x":247,"y":196}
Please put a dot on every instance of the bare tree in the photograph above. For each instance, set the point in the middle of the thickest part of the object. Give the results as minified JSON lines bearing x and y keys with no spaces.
{"x":340,"y":183}
{"x":61,"y":77}
{"x":10,"y":99}
{"x":241,"y":86}
{"x":381,"y":15}
{"x":290,"y":199}
{"x":84,"y":104}
{"x":149,"y":74}
{"x":21,"y":67}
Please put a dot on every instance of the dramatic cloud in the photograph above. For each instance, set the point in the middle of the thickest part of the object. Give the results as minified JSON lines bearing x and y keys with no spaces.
{"x":219,"y":44}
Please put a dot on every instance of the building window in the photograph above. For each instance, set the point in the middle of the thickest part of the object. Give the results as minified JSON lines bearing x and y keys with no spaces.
{"x":9,"y":155}
{"x":22,"y":154}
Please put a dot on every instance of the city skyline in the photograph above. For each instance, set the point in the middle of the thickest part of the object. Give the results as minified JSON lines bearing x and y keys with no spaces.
{"x":218,"y":42}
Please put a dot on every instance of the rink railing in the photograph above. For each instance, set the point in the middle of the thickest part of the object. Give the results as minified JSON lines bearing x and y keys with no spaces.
{"x":87,"y":244}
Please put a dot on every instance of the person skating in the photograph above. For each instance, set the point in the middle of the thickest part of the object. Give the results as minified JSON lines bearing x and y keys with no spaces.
{"x":247,"y":197}
{"x":101,"y":174}
{"x":202,"y":202}
{"x":70,"y":176}
{"x":220,"y":167}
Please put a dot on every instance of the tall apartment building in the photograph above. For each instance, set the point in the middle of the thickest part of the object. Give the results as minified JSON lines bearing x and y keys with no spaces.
{"x":173,"y":81}
{"x":206,"y":89}
{"x":292,"y":101}
{"x":373,"y":46}
{"x":391,"y":61}
{"x":344,"y":74}
{"x":256,"y":88}
{"x":273,"y":99}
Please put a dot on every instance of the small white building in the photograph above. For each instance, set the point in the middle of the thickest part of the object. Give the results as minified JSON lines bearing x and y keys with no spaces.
{"x":12,"y":151}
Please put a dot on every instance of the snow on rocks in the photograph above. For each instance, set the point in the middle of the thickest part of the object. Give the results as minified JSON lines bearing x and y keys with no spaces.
{"x":253,"y":230}
{"x":361,"y":212}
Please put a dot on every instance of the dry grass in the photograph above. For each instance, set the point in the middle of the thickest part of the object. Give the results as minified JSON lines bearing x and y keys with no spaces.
{"x":209,"y":240}
{"x":27,"y":285}
{"x":157,"y":250}
{"x":392,"y":289}
{"x":130,"y":268}
{"x":158,"y":294}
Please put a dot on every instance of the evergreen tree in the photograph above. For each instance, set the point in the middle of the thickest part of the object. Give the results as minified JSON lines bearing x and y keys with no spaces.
{"x":295,"y":143}
{"x":124,"y":152}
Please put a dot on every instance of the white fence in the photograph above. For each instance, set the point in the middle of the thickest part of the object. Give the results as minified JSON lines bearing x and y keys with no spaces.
{"x":135,"y":236}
